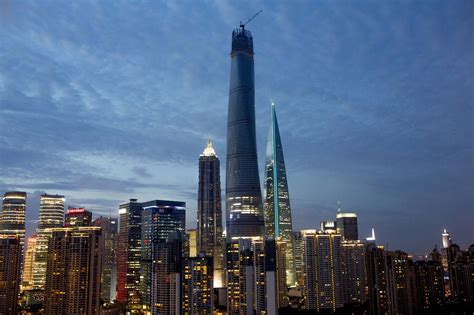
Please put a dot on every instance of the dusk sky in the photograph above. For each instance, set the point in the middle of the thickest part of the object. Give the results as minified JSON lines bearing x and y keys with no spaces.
{"x":103,"y":101}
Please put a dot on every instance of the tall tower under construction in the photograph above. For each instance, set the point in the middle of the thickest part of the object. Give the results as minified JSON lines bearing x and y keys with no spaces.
{"x":243,"y":195}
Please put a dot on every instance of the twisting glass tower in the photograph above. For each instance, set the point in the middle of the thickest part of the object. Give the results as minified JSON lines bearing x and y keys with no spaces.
{"x":277,"y":200}
{"x":243,"y":195}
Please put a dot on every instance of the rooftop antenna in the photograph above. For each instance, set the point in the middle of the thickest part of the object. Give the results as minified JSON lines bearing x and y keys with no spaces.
{"x":242,"y":25}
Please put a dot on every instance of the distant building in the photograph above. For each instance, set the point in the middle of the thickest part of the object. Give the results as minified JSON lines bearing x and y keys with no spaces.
{"x":461,"y":273}
{"x":346,"y":224}
{"x":198,"y":278}
{"x":328,"y":227}
{"x":51,"y":215}
{"x":12,"y":217}
{"x":376,"y":279}
{"x":28,"y":264}
{"x":77,"y":217}
{"x":209,"y":216}
{"x":73,"y":271}
{"x":129,"y":253}
{"x":108,"y":278}
{"x":276,"y":291}
{"x":323,"y":270}
{"x":160,"y":219}
{"x":10,"y":261}
{"x":429,"y":281}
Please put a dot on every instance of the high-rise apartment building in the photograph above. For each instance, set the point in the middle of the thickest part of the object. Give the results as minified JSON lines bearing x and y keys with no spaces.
{"x":51,"y":215}
{"x":108,"y":278}
{"x":73,"y":271}
{"x":191,"y":243}
{"x":275,"y":275}
{"x":346,"y":224}
{"x":197,"y":281}
{"x":10,"y":261}
{"x":12,"y":217}
{"x":77,"y":217}
{"x":28,"y":264}
{"x":323,"y":270}
{"x":429,"y":281}
{"x":243,"y":195}
{"x":354,"y":277}
{"x":129,"y":253}
{"x":277,"y":210}
{"x":160,"y":219}
{"x":461,"y":273}
{"x":209,"y":216}
{"x":245,"y":260}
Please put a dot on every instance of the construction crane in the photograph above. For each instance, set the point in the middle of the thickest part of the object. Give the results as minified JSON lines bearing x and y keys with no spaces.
{"x":242,"y":25}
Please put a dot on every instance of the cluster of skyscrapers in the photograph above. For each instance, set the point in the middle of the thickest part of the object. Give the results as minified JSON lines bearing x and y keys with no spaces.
{"x":146,"y":262}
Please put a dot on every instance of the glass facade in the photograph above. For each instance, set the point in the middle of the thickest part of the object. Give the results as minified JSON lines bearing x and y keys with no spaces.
{"x":278,"y":224}
{"x":243,"y":195}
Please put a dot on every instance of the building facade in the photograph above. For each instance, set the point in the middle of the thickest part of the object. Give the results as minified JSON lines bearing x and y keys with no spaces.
{"x":198,"y":278}
{"x":108,"y":277}
{"x":51,"y":215}
{"x":78,"y":217}
{"x":354,"y":277}
{"x":277,"y":210}
{"x":12,"y":217}
{"x":129,"y":253}
{"x":243,"y":195}
{"x":209,"y":216}
{"x":160,"y":219}
{"x":29,"y":263}
{"x":10,"y":261}
{"x":346,"y":224}
{"x":73,"y":271}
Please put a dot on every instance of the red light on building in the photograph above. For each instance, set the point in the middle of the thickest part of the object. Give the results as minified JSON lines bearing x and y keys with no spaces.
{"x":76,"y":210}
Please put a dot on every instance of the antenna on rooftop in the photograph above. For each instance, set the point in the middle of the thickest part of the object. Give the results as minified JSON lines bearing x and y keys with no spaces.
{"x":242,"y":25}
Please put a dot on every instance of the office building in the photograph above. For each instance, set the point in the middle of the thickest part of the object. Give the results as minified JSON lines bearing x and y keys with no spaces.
{"x":77,"y":217}
{"x":346,"y":224}
{"x":129,"y":254}
{"x":166,"y":284}
{"x":323,"y":270}
{"x":198,"y":278}
{"x":12,"y":217}
{"x":73,"y":271}
{"x":28,"y":264}
{"x":277,"y":210}
{"x":243,"y":195}
{"x":10,"y":261}
{"x":160,"y":219}
{"x":108,"y":278}
{"x":51,"y":215}
{"x":209,"y":216}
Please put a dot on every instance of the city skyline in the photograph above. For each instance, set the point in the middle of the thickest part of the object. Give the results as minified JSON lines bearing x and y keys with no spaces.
{"x":382,"y":128}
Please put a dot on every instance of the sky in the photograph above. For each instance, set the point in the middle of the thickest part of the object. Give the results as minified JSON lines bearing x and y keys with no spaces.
{"x":103,"y":101}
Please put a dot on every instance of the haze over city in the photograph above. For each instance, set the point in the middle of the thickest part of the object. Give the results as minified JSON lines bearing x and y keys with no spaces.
{"x":106,"y":101}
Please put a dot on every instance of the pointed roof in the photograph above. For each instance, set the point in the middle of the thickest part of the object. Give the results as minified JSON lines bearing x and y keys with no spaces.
{"x":209,"y":150}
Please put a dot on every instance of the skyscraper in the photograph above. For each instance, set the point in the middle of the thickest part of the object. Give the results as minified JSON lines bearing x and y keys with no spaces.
{"x":353,"y":271}
{"x":28,"y":265}
{"x":160,"y":220}
{"x":10,"y":261}
{"x":277,"y":200}
{"x":243,"y":195}
{"x":78,"y":217}
{"x":129,"y":253}
{"x":346,"y":224}
{"x":197,"y":282}
{"x":108,"y":278}
{"x":51,"y":215}
{"x":12,"y":217}
{"x":73,"y":271}
{"x":209,"y":217}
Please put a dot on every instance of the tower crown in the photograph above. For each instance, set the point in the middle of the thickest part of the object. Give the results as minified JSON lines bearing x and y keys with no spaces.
{"x":209,"y":150}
